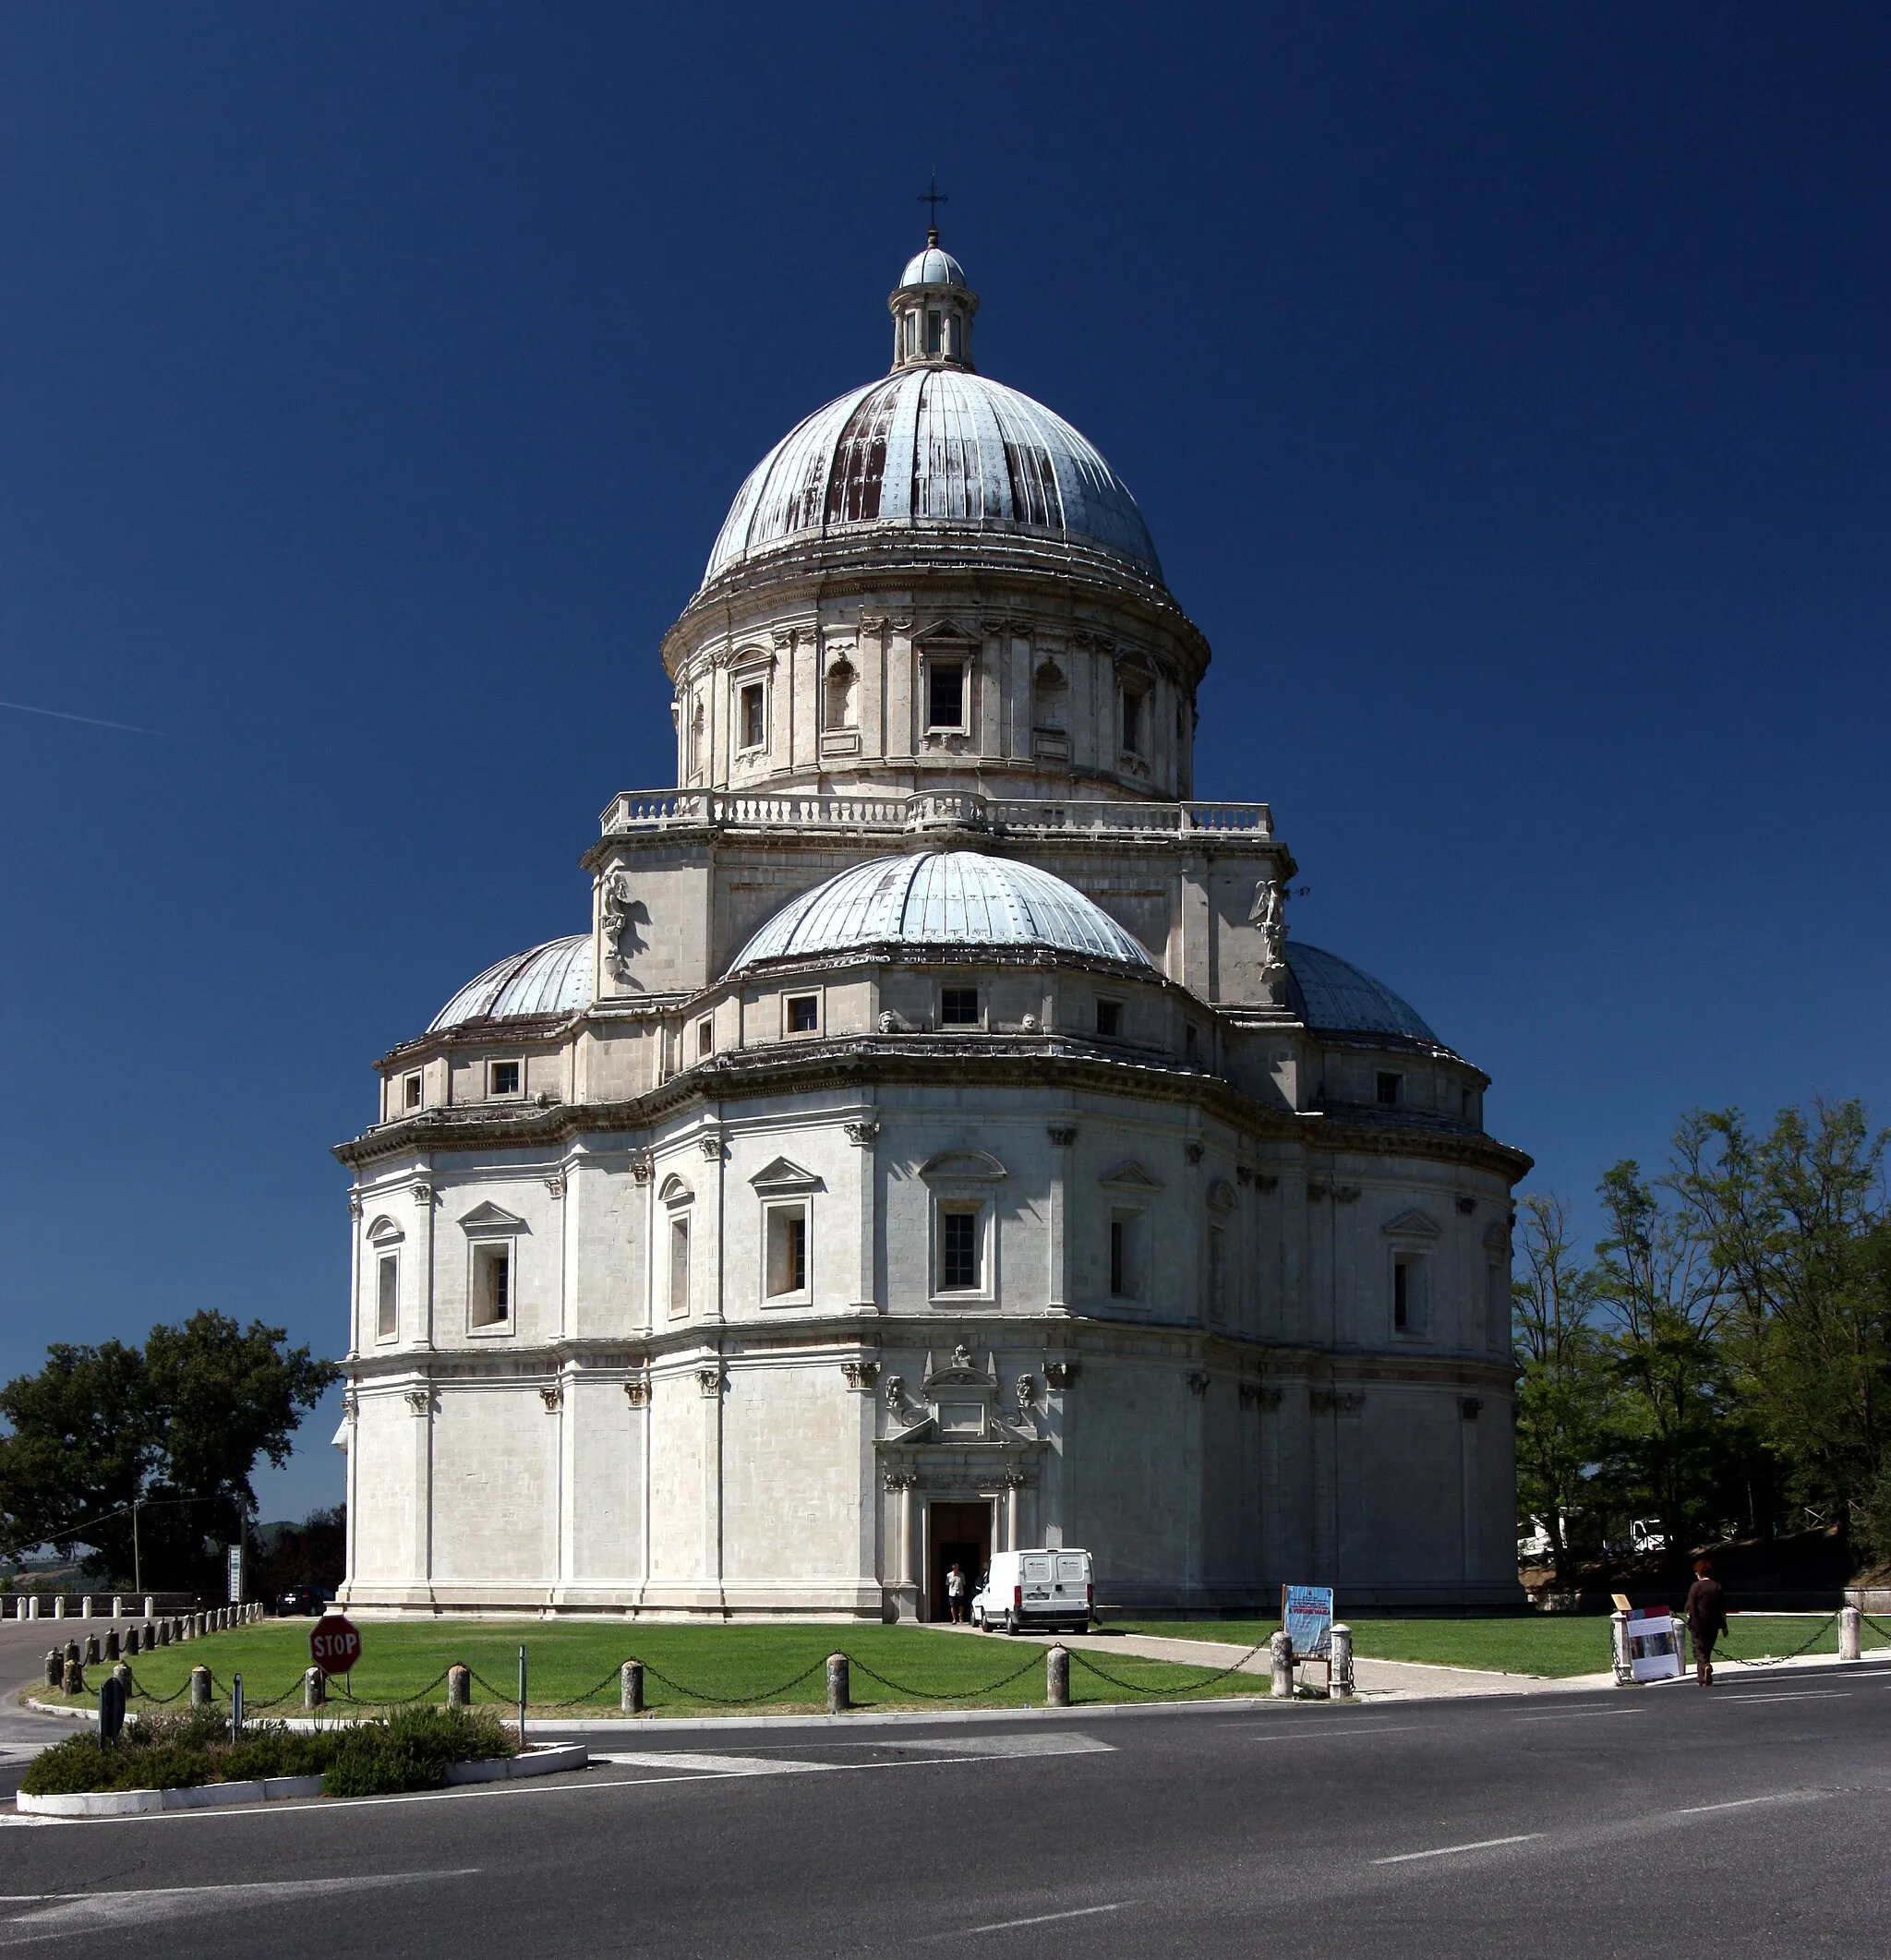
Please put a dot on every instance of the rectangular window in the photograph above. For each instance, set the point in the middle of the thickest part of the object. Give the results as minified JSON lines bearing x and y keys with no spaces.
{"x":387,"y":1297}
{"x":1217,"y":1273}
{"x":959,"y":1251}
{"x":958,"y":1007}
{"x":1123,"y":1256}
{"x":754,"y":716}
{"x":502,"y":1079}
{"x":1188,"y":1038}
{"x":803,"y":1013}
{"x":410,"y":1091}
{"x":705,"y":1036}
{"x":1391,"y":1089}
{"x":492,"y":1285}
{"x":1408,"y":1295}
{"x":932,"y":333}
{"x":945,"y":694}
{"x":788,"y":1250}
{"x":1109,"y":1019}
{"x":678,"y":1268}
{"x":1132,"y":722}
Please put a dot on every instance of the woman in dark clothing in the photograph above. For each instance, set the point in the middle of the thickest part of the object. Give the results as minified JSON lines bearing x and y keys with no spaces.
{"x":1707,"y":1617}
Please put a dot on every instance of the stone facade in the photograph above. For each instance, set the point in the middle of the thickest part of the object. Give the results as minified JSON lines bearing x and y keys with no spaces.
{"x":692,"y":1284}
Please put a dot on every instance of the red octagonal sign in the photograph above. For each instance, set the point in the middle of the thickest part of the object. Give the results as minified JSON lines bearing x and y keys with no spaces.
{"x":334,"y":1646}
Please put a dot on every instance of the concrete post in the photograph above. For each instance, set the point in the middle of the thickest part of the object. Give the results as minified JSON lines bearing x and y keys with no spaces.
{"x":459,"y":1687}
{"x":164,"y":1633}
{"x":90,"y":1656}
{"x":117,"y":1607}
{"x":150,"y":1636}
{"x":1849,"y":1619}
{"x":56,"y":1668}
{"x":199,"y":1687}
{"x":629,"y":1688}
{"x":74,"y":1673}
{"x":315,"y":1690}
{"x":32,"y":1605}
{"x":1280,"y":1653}
{"x":111,"y":1644}
{"x":1057,"y":1678}
{"x":58,"y":1606}
{"x":1341,"y":1688}
{"x":1618,"y":1638}
{"x":151,"y":1606}
{"x":85,"y":1607}
{"x":122,"y":1675}
{"x":131,"y":1639}
{"x":838,"y":1702}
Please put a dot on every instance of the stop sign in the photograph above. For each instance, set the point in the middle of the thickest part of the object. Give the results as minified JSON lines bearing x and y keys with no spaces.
{"x":333,"y":1645}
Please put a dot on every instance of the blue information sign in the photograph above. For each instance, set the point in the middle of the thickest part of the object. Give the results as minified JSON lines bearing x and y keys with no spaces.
{"x":1306,"y":1612}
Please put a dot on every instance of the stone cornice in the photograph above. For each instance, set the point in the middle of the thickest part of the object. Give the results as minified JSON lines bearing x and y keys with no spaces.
{"x":993,"y":1061}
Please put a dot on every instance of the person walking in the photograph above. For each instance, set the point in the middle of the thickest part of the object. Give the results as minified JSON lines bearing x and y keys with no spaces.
{"x":955,"y":1593}
{"x":1707,"y":1617}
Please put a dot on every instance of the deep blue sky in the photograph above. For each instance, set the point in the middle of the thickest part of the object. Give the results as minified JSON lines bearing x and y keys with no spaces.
{"x":1505,"y":387}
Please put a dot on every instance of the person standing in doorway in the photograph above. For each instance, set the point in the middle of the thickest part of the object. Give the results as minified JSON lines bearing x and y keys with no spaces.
{"x":1706,"y":1618}
{"x":955,"y":1593}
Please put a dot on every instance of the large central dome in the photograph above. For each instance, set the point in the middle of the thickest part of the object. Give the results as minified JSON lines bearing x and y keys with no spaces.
{"x":934,"y":445}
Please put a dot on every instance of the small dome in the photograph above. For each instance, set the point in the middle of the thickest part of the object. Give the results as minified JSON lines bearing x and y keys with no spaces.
{"x":551,"y":978}
{"x":934,"y":267}
{"x":956,"y":897}
{"x":1332,"y":996}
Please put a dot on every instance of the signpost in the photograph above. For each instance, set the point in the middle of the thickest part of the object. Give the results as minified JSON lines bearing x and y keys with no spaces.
{"x":333,"y":1644}
{"x":1653,"y":1637}
{"x":236,"y":1562}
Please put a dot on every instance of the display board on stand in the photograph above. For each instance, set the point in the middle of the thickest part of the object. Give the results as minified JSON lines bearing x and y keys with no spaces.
{"x":1306,"y":1613}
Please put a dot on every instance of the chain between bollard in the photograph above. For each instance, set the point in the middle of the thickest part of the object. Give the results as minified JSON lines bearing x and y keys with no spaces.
{"x":1136,"y":1689}
{"x":950,"y":1694}
{"x":1773,"y":1660}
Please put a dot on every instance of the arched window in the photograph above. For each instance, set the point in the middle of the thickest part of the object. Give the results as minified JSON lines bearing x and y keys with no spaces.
{"x":841,"y":678}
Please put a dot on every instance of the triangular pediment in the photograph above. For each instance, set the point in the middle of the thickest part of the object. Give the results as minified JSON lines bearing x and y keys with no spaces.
{"x":1220,"y":1195}
{"x":1412,"y":1225}
{"x":1130,"y":1175}
{"x":962,"y":1167}
{"x":784,"y":1177}
{"x":945,"y":629}
{"x":488,"y":1217}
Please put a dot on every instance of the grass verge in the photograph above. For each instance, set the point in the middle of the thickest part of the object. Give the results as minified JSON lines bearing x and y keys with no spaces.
{"x":572,"y":1667}
{"x":1553,"y":1645}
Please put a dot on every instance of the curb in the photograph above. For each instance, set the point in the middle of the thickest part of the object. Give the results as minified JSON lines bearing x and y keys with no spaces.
{"x":546,"y":1761}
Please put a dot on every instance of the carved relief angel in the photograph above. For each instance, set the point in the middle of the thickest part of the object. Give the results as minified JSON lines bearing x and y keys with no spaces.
{"x":621,"y":915}
{"x":1270,"y":913}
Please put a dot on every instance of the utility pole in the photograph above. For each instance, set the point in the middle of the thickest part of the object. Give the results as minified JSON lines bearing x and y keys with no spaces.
{"x":137,"y":1562}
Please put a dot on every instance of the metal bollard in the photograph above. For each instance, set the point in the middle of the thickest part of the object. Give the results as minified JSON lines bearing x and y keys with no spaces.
{"x":629,"y":1688}
{"x":199,"y":1687}
{"x":838,"y":1702}
{"x":1057,"y":1678}
{"x":75,"y":1674}
{"x":315,"y":1689}
{"x":111,"y":1644}
{"x":90,"y":1656}
{"x":56,"y":1668}
{"x":459,"y":1687}
{"x":1850,"y":1621}
{"x":1280,"y":1654}
{"x":1340,"y":1687}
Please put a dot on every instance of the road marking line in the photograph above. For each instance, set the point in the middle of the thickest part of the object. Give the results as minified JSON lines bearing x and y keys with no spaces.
{"x":1739,"y":1803}
{"x":1045,"y":1919}
{"x":1797,"y":1694}
{"x":1580,"y":1714}
{"x":1394,"y":1728}
{"x":1482,"y":1843}
{"x":714,"y":1765}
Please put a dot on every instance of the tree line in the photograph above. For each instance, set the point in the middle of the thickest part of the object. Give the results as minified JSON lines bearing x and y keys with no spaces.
{"x":144,"y":1454}
{"x":1722,"y":1357}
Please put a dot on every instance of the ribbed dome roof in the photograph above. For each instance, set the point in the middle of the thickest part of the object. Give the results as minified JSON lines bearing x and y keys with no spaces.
{"x":935,"y":446}
{"x":1332,"y":996}
{"x":934,"y":267}
{"x":956,"y":897}
{"x":551,"y":978}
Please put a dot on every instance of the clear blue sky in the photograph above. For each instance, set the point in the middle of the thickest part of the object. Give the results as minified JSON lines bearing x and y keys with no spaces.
{"x":1505,"y":387}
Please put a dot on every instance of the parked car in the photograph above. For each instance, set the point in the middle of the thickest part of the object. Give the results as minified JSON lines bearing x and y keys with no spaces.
{"x":302,"y":1600}
{"x":1041,"y":1588}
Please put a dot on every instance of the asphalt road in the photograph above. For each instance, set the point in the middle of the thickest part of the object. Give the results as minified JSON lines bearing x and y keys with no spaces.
{"x":1747,"y":1819}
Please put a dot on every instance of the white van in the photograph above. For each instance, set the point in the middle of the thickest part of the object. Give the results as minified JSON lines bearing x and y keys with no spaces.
{"x":1046,"y":1589}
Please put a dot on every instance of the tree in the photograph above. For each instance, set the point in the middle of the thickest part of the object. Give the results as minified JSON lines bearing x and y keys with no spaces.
{"x":1564,"y":1391}
{"x":1663,"y":1294}
{"x":114,"y":1440}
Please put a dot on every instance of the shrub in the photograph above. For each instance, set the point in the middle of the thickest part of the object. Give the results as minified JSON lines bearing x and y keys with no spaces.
{"x":411,"y":1750}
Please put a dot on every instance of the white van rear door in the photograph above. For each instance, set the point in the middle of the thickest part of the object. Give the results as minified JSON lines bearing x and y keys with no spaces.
{"x":1037,"y":1578}
{"x":1073,"y":1575}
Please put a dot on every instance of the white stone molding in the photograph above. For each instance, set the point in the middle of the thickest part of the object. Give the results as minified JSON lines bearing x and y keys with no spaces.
{"x":1411,"y":1224}
{"x":489,"y":1221}
{"x":1220,"y":1195}
{"x":385,"y":1232}
{"x":420,"y":1400}
{"x":619,"y":915}
{"x":861,"y":1376}
{"x":1259,"y":1395}
{"x":553,"y":1395}
{"x":1198,"y":1383}
{"x":555,"y":1183}
{"x":710,"y":1142}
{"x":1062,"y":1136}
{"x":674,"y":1191}
{"x":1062,"y":1374}
{"x":637,"y":1391}
{"x":1130,"y":1175}
{"x":962,"y":1167}
{"x":1192,"y":1152}
{"x":861,"y":1134}
{"x":353,"y":1204}
{"x":1497,"y":1239}
{"x":641,"y":1166}
{"x":784,"y":1179}
{"x":710,"y":1381}
{"x":423,"y":1194}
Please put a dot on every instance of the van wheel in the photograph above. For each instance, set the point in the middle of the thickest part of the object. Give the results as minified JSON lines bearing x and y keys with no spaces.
{"x":1011,"y":1622}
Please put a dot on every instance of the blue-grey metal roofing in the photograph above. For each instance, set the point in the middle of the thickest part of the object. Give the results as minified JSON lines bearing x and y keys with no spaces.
{"x":551,"y":978}
{"x":934,"y":267}
{"x":1331,"y":995}
{"x":956,"y":897}
{"x":934,"y":445}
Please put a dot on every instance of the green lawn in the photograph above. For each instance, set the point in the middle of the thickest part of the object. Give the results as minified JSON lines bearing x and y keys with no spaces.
{"x":688,"y":1669}
{"x":1551,"y":1644}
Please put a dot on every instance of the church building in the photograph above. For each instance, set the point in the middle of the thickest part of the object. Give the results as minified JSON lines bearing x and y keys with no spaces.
{"x":933,"y":1142}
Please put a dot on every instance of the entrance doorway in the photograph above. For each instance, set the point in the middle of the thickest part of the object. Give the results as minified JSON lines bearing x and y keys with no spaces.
{"x":960,"y":1535}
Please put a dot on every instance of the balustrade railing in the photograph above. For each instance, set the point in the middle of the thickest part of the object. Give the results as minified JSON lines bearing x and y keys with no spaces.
{"x":639,"y":809}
